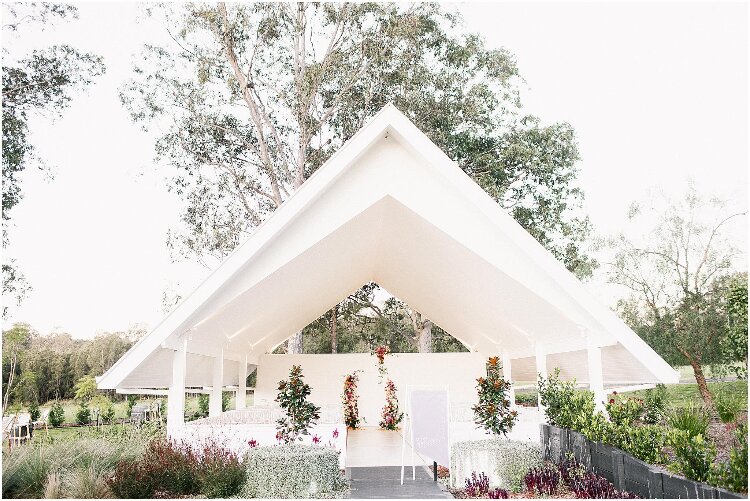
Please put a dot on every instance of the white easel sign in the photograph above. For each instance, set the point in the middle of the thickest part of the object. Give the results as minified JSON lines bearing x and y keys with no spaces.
{"x":428,"y":422}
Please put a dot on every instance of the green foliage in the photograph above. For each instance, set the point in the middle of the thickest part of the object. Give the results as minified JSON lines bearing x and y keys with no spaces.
{"x":131,"y":401}
{"x":728,"y":406}
{"x":300,"y":414}
{"x":655,"y":404}
{"x":492,"y":412}
{"x":56,"y":415}
{"x":734,"y":346}
{"x":293,"y":471}
{"x":692,"y":420}
{"x":85,"y":389}
{"x":106,"y":411}
{"x":203,"y":404}
{"x":564,"y":406}
{"x":226,"y":398}
{"x":83,"y":414}
{"x":624,"y":411}
{"x":34,"y":411}
{"x":733,"y":474}
{"x":646,"y":442}
{"x":67,"y":468}
{"x":460,"y":92}
{"x":694,"y":455}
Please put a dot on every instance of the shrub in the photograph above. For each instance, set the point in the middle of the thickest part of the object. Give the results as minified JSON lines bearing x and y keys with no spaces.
{"x":732,"y":475}
{"x":84,"y":483}
{"x":105,"y":407}
{"x":83,"y":415}
{"x":587,"y":485}
{"x":624,"y":411}
{"x":655,"y":404}
{"x":492,"y":412}
{"x":292,"y":471}
{"x":220,"y":473}
{"x":564,"y":406}
{"x":728,"y":406}
{"x":131,"y":401}
{"x":528,"y":399}
{"x":693,"y":420}
{"x":203,"y":405}
{"x":56,"y":415}
{"x":300,"y":414}
{"x":543,"y":479}
{"x":509,"y":460}
{"x":34,"y":411}
{"x":498,"y":493}
{"x":646,"y":442}
{"x":477,"y":485}
{"x":694,"y":455}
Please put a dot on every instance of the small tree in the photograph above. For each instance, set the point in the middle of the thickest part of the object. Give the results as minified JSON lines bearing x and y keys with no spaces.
{"x":492,"y":412}
{"x":132,"y":400}
{"x":83,"y":415}
{"x":105,"y":409}
{"x":56,"y":415}
{"x":34,"y":411}
{"x":85,"y":389}
{"x":300,"y":414}
{"x":203,"y":404}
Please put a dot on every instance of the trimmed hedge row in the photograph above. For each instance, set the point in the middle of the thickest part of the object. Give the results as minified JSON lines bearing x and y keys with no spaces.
{"x":623,"y":470}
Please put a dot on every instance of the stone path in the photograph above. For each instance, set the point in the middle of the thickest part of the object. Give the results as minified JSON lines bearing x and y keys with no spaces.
{"x":384,"y":482}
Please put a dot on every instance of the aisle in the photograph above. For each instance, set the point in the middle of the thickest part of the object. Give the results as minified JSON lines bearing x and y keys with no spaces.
{"x":384,"y":482}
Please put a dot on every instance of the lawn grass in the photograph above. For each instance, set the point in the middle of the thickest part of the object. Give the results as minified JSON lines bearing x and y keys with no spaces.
{"x":686,"y":395}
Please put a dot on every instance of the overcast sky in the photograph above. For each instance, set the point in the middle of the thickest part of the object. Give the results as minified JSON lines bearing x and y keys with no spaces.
{"x":657,"y":94}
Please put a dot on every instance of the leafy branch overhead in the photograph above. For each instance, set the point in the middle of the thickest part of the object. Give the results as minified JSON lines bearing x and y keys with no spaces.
{"x":255,"y":97}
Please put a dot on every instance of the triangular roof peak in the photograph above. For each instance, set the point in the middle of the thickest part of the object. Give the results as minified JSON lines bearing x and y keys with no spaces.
{"x":391,"y":207}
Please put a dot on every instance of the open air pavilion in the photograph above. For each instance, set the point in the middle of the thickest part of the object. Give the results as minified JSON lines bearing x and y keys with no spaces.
{"x":389,"y":207}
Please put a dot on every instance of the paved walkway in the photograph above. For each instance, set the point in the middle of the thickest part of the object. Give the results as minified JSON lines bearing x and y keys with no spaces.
{"x":384,"y":482}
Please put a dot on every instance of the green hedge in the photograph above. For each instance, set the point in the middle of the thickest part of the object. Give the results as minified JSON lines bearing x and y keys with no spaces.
{"x":293,"y":471}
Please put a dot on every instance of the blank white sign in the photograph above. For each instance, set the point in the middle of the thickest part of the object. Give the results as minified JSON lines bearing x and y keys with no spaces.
{"x":428,"y":409}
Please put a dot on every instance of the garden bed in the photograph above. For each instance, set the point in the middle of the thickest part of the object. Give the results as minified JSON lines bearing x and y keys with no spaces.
{"x":623,"y":470}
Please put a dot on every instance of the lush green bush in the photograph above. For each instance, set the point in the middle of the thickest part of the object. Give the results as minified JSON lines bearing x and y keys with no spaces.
{"x":293,"y":471}
{"x":527,"y":399}
{"x":694,"y":455}
{"x":645,"y":442}
{"x":56,"y":415}
{"x":692,"y":420}
{"x":493,"y":412}
{"x":624,"y":411}
{"x":83,"y":415}
{"x":655,"y":404}
{"x":728,"y":406}
{"x":220,"y":473}
{"x":564,"y":406}
{"x":34,"y":411}
{"x":510,"y":460}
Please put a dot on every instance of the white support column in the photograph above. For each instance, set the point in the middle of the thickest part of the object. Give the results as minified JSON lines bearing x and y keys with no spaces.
{"x":508,"y":376}
{"x":241,"y":398}
{"x":176,"y":396}
{"x":214,"y":400}
{"x":596,"y":375}
{"x":541,"y":369}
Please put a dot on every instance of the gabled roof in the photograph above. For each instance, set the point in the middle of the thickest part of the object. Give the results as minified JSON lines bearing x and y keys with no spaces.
{"x":392,"y":208}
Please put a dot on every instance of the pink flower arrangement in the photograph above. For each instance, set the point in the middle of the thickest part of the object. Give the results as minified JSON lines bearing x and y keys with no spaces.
{"x":350,"y":398}
{"x":390,"y":415}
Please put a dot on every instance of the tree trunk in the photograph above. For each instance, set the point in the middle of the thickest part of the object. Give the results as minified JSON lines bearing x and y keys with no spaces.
{"x":422,"y":331}
{"x":425,"y":337}
{"x":708,"y":399}
{"x":294,"y":344}
{"x":334,"y":341}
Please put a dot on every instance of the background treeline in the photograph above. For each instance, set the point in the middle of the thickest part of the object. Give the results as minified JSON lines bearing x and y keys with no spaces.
{"x":38,"y":368}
